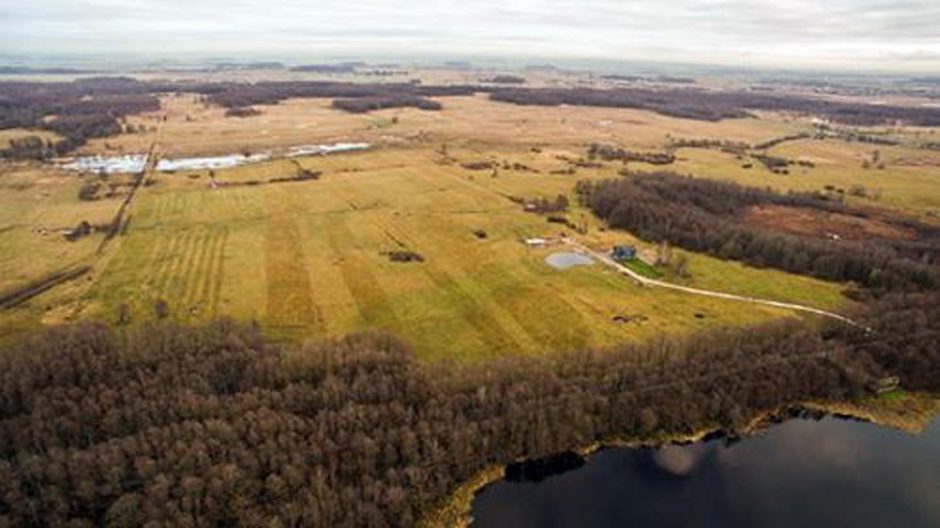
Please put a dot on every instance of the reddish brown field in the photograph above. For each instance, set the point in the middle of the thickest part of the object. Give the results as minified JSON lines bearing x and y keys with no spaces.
{"x":823,"y":224}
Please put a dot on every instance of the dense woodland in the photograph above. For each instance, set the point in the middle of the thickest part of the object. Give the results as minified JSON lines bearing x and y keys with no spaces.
{"x":343,"y":67}
{"x":233,"y":95}
{"x":715,"y":106}
{"x":77,"y":111}
{"x":367,"y":104}
{"x":705,"y":216}
{"x":212,"y":426}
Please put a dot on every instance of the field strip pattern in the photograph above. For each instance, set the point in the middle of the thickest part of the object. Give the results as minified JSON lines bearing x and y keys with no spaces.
{"x":489,"y":324}
{"x":290,"y":306}
{"x":371,"y":299}
{"x":188,"y":269}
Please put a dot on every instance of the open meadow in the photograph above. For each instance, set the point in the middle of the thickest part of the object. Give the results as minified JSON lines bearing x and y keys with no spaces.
{"x":197,"y":128}
{"x":902,"y":177}
{"x":895,"y":176}
{"x":310,"y":259}
{"x":315,"y":258}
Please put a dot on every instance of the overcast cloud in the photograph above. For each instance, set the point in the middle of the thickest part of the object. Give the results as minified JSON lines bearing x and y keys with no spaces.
{"x":856,"y":34}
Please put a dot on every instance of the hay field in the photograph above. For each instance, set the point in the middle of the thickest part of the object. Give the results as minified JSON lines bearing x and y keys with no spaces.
{"x":309,"y":259}
{"x":37,"y":204}
{"x":305,"y":259}
{"x":909,"y":181}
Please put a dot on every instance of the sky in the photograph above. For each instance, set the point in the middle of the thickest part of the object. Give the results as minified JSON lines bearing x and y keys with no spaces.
{"x":858,"y":35}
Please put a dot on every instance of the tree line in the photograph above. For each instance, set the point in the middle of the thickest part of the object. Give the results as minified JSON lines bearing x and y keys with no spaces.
{"x":715,"y":106}
{"x":706,"y":216}
{"x":212,"y":426}
{"x":362,"y":105}
{"x":613,"y":152}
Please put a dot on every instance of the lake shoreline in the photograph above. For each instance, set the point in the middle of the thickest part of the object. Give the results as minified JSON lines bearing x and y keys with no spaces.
{"x":890,"y":411}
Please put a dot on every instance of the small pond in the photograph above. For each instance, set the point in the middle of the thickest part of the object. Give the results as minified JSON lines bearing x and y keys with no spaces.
{"x":568,"y":259}
{"x":803,"y":472}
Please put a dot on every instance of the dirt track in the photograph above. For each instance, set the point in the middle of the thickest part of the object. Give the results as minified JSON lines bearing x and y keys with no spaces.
{"x":605,"y":259}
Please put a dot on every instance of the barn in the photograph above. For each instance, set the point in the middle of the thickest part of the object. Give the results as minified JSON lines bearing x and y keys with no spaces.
{"x":623,"y":252}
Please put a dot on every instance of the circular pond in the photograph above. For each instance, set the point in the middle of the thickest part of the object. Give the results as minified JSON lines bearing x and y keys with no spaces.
{"x":566,"y":259}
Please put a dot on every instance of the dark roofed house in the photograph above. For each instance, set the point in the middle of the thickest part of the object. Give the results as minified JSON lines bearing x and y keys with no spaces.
{"x":623,"y":252}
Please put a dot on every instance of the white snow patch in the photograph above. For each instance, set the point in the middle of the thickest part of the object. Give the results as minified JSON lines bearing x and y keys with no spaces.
{"x":108,"y":164}
{"x":211,"y":162}
{"x":308,"y":150}
{"x":234,"y":160}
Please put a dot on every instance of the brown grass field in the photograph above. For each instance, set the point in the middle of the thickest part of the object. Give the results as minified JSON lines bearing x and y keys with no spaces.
{"x":195,"y":129}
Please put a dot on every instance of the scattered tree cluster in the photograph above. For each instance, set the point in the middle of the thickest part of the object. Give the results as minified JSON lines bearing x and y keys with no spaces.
{"x":235,"y":95}
{"x":542,"y":205}
{"x":610,"y":153}
{"x":88,"y":192}
{"x":479,"y":165}
{"x":504,"y":79}
{"x":28,"y":147}
{"x":774,"y":164}
{"x":404,"y":255}
{"x":725,"y":145}
{"x":242,"y":111}
{"x":362,"y":105}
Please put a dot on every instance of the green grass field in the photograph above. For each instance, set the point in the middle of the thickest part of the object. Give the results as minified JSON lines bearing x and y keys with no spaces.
{"x":309,"y":259}
{"x":909,"y":180}
{"x":305,"y":260}
{"x":642,"y":268}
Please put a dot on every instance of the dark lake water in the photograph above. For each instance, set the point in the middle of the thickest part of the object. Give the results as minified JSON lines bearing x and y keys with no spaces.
{"x":801,"y":473}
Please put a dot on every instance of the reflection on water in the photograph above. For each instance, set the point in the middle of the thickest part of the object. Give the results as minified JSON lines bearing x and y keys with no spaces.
{"x":800,"y":473}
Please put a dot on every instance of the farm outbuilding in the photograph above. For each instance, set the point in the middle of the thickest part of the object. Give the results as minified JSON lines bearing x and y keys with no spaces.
{"x":623,"y":252}
{"x":535,"y":242}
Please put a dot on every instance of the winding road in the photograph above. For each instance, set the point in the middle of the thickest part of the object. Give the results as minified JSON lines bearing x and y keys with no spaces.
{"x":646,"y":281}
